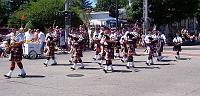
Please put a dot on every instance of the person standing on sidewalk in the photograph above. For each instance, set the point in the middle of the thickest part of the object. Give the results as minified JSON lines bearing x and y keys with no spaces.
{"x":177,"y":45}
{"x":17,"y":52}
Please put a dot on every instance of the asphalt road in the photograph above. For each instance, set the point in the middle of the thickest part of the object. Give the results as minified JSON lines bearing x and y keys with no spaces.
{"x":170,"y":77}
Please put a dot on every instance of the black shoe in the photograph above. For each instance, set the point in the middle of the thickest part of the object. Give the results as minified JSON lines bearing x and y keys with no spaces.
{"x":147,"y":64}
{"x":6,"y":76}
{"x":122,"y":61}
{"x":158,"y":60}
{"x":82,"y":67}
{"x":100,"y":64}
{"x":127,"y":67}
{"x":72,"y":68}
{"x":54,"y":64}
{"x":70,"y":61}
{"x":94,"y":59}
{"x":22,"y":75}
{"x":45,"y":64}
{"x":105,"y":70}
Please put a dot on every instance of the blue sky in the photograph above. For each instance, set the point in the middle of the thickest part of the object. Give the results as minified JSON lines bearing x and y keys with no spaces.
{"x":93,"y":2}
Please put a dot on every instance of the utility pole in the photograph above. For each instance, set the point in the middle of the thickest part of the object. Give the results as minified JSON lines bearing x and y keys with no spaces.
{"x":145,"y":16}
{"x":117,"y":15}
{"x":67,"y":30}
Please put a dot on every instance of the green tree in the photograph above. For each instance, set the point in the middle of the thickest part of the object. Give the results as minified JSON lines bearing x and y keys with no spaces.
{"x":164,"y":11}
{"x":40,"y":13}
{"x":104,"y":5}
{"x":3,"y":11}
{"x":134,"y":12}
{"x":44,"y":13}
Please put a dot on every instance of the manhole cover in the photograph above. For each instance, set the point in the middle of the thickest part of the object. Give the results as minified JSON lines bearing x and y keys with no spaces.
{"x":75,"y":75}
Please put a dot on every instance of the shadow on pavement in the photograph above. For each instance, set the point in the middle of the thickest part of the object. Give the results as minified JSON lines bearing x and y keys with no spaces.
{"x":34,"y":76}
{"x":164,"y":64}
{"x":91,"y":69}
{"x":184,"y":59}
{"x":122,"y":71}
{"x":62,"y":65}
{"x":147,"y":67}
{"x":139,"y":61}
{"x":167,"y":60}
{"x":89,"y":62}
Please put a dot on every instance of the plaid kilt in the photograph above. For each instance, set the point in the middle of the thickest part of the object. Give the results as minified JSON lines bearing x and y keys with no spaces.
{"x":79,"y":53}
{"x":51,"y":51}
{"x":16,"y":53}
{"x":177,"y":48}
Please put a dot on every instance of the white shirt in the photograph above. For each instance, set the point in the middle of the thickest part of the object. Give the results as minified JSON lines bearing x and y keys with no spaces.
{"x":29,"y":36}
{"x":146,"y":38}
{"x":178,"y":39}
{"x":9,"y":36}
{"x":41,"y":37}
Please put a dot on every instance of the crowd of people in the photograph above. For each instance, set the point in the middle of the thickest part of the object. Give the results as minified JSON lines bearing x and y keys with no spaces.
{"x":108,"y":44}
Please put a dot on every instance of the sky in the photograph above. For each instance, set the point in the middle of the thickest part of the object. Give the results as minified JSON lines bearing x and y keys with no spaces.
{"x":93,"y":2}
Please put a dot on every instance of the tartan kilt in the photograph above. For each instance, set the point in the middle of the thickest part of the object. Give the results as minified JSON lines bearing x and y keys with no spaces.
{"x":79,"y":53}
{"x":177,"y":48}
{"x":108,"y":62}
{"x":108,"y":54}
{"x":51,"y":52}
{"x":16,"y":53}
{"x":130,"y":52}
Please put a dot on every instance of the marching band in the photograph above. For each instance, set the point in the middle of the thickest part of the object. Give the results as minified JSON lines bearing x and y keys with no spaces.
{"x":107,"y":43}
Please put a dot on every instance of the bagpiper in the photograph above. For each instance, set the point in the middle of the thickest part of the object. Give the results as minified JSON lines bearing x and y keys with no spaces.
{"x":161,"y":42}
{"x":177,"y":45}
{"x":150,"y":44}
{"x":108,"y":46}
{"x":97,"y":45}
{"x":124,"y":48}
{"x":130,"y":46}
{"x":77,"y":52}
{"x":16,"y":54}
{"x":50,"y":47}
{"x":117,"y":36}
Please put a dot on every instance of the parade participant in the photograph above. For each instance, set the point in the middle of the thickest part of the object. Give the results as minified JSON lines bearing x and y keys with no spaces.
{"x":160,"y":45}
{"x":177,"y":45}
{"x":16,"y":57}
{"x":29,"y":36}
{"x":117,"y":36}
{"x":91,"y":40}
{"x":76,"y":52}
{"x":108,"y":44}
{"x":136,"y":37}
{"x":149,"y":42}
{"x":4,"y":48}
{"x":50,"y":45}
{"x":124,"y":46}
{"x":155,"y":47}
{"x":130,"y":47}
{"x":102,"y":53}
{"x":97,"y":44}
